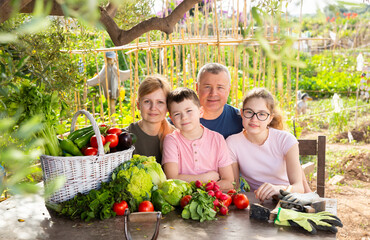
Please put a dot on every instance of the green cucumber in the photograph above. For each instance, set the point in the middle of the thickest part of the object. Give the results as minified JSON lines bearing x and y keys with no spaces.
{"x":80,"y":132}
{"x":68,"y":146}
{"x":83,"y":140}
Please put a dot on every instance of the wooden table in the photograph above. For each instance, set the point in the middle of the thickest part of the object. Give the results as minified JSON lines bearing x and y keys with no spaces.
{"x":28,"y":218}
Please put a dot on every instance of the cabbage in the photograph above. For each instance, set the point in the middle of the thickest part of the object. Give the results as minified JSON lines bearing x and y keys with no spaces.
{"x":153,"y":168}
{"x":174,"y":190}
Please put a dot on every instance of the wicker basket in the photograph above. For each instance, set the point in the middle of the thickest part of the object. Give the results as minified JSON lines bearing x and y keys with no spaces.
{"x":82,"y":173}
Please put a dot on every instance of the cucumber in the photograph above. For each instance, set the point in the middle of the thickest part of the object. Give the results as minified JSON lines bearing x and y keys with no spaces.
{"x":68,"y":146}
{"x":83,"y":140}
{"x":80,"y":132}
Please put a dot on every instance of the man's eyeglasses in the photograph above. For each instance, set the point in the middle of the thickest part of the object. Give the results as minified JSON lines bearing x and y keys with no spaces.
{"x":248,"y":113}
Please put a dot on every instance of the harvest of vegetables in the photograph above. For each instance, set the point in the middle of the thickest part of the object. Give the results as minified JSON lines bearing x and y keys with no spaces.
{"x":141,"y":185}
{"x":82,"y":142}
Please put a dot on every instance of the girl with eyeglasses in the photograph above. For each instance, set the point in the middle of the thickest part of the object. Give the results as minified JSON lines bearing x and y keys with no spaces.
{"x":264,"y":155}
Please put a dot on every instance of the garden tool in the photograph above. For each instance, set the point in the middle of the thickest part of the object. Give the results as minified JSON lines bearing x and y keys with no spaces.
{"x":141,"y":217}
{"x":303,"y":202}
{"x":314,"y":207}
{"x":259,"y":212}
{"x":311,"y":222}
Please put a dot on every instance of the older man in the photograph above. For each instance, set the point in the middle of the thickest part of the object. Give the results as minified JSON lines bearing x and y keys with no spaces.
{"x":213,"y":87}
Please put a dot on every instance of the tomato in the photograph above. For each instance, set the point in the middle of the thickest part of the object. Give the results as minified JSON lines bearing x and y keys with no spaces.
{"x":114,"y":130}
{"x":185,"y":200}
{"x":113,"y":139}
{"x":94,"y":142}
{"x":227,"y":200}
{"x":90,"y":151}
{"x":146,"y":206}
{"x":120,"y":208}
{"x":241,"y":201}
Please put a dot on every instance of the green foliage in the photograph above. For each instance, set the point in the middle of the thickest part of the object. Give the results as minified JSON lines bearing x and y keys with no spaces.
{"x":329,"y":73}
{"x":200,"y":207}
{"x":19,"y":151}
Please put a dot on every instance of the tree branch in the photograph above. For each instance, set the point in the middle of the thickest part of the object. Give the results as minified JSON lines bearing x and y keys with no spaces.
{"x":119,"y":36}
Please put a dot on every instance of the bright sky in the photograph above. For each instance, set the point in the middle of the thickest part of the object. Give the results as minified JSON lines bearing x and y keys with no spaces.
{"x":309,"y":6}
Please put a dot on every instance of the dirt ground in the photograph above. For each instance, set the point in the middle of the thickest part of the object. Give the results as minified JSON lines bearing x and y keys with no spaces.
{"x":353,"y":195}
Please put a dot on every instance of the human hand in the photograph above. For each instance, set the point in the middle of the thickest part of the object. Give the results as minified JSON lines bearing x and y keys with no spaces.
{"x":213,"y":175}
{"x":309,"y":221}
{"x":299,"y":198}
{"x":266,"y":191}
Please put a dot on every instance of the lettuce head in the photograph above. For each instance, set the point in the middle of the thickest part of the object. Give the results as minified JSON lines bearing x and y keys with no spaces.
{"x":174,"y":190}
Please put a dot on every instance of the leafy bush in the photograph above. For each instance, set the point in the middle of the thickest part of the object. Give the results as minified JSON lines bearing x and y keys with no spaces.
{"x":329,"y":73}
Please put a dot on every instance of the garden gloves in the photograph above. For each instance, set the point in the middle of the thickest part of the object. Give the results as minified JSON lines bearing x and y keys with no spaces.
{"x":309,"y":221}
{"x":299,"y":198}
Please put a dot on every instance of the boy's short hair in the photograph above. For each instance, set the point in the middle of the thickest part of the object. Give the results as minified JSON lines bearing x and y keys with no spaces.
{"x":180,"y":94}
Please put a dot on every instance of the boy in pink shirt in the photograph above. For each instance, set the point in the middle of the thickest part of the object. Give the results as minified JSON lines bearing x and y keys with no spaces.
{"x":193,"y":152}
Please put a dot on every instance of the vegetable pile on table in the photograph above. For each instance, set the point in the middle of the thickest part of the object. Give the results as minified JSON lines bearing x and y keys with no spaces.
{"x":141,"y":185}
{"x":207,"y":200}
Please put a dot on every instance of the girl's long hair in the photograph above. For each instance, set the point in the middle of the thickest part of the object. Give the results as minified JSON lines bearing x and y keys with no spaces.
{"x":277,"y":121}
{"x":150,"y":84}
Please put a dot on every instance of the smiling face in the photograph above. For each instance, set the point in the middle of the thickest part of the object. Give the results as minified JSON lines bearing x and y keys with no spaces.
{"x":213,"y":91}
{"x":153,"y":106}
{"x":253,"y":125}
{"x":186,"y":116}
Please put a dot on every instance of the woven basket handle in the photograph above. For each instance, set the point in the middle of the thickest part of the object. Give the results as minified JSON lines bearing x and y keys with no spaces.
{"x":95,"y":127}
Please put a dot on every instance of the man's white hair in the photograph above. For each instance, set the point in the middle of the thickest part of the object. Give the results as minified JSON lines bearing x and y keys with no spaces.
{"x":214,"y":68}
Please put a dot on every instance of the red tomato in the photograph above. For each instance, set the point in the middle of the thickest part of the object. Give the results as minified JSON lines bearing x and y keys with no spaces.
{"x":241,"y":201}
{"x":146,"y":206}
{"x":185,"y":200}
{"x":119,"y":208}
{"x":114,"y":130}
{"x":227,"y":200}
{"x":90,"y":151}
{"x":94,"y":142}
{"x":113,"y":139}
